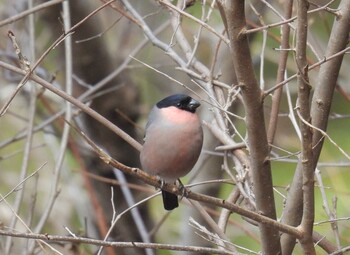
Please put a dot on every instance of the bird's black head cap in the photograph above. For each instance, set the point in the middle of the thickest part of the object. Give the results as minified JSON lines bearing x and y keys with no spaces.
{"x":181,"y":101}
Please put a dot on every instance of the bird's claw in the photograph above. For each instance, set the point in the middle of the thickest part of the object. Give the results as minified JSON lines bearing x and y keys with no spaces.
{"x":161,"y":181}
{"x":182,"y":188}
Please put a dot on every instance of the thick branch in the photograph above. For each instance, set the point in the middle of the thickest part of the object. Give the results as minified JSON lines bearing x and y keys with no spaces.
{"x":213,"y":201}
{"x":303,"y":110}
{"x":234,"y":16}
{"x":328,"y":75}
{"x":320,"y":107}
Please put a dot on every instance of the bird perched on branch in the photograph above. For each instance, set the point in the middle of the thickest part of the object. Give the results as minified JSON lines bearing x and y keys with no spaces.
{"x":173,"y":141}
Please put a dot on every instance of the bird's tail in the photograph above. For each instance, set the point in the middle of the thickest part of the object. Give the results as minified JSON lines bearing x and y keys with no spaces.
{"x":170,"y":200}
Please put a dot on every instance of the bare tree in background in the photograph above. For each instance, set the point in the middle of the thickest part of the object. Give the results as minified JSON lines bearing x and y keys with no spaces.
{"x":274,"y":90}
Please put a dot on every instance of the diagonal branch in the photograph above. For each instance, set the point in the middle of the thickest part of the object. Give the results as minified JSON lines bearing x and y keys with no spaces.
{"x":118,"y":131}
{"x":154,"y":181}
{"x":276,"y":97}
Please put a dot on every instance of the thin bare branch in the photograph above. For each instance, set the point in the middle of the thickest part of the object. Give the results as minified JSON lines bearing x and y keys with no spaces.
{"x":282,"y":63}
{"x":78,"y":104}
{"x":68,"y":115}
{"x":157,"y":246}
{"x":203,"y":24}
{"x":29,"y":11}
{"x":25,"y":63}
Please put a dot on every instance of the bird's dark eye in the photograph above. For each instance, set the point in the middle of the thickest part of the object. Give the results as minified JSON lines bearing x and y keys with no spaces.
{"x":178,"y":104}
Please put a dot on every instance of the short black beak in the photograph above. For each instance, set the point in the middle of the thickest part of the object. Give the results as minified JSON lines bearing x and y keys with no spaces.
{"x":193,"y":105}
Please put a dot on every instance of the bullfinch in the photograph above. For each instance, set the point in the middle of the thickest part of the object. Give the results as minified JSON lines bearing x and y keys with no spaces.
{"x":173,"y":141}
